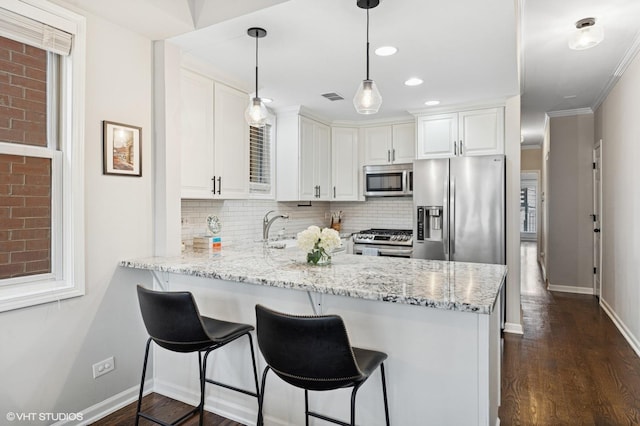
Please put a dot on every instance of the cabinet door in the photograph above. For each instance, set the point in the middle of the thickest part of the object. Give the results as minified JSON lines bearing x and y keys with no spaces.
{"x":196,"y":139}
{"x":377,"y":145}
{"x":437,"y":135}
{"x":307,"y":161}
{"x":344,"y":164}
{"x":231,"y":143}
{"x":322,"y":154}
{"x":404,"y":143}
{"x":481,"y":132}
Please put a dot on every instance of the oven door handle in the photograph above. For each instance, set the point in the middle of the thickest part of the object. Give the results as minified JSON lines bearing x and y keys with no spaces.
{"x":395,"y":252}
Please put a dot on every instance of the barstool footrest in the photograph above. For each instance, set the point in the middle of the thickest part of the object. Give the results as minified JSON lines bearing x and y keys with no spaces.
{"x":173,"y":423}
{"x":327,"y":419}
{"x":233,"y":388}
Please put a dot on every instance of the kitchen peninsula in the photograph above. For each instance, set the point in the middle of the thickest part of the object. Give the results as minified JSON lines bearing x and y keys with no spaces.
{"x":438,"y":321}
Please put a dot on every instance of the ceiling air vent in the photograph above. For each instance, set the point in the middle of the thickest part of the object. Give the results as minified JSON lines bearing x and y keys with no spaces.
{"x":333,"y":96}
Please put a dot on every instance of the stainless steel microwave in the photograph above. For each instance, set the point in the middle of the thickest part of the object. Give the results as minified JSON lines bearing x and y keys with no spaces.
{"x":392,"y":180}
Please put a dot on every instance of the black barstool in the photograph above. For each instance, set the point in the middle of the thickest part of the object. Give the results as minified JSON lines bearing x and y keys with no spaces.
{"x":173,"y":322}
{"x":314,"y":353}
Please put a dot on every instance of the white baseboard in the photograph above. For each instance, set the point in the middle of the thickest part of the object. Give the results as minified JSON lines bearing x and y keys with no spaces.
{"x":570,"y":289}
{"x":513,"y":328}
{"x":108,"y":406}
{"x":633,"y":341}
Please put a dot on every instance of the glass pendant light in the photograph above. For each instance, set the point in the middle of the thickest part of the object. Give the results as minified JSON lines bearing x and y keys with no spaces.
{"x":367,"y":99}
{"x":586,"y":35}
{"x":256,"y":113}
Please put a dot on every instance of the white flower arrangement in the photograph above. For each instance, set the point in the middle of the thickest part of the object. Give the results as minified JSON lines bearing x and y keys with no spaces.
{"x":318,"y":243}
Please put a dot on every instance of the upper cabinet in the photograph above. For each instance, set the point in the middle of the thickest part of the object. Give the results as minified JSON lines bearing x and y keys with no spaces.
{"x":196,"y":136}
{"x":344,"y":164}
{"x":215,"y":139}
{"x":464,"y":133}
{"x":389,"y":144}
{"x":303,"y":159}
{"x":231,"y":147}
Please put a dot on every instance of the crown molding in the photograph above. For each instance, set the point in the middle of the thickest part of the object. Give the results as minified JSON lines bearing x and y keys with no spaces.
{"x":490,"y":103}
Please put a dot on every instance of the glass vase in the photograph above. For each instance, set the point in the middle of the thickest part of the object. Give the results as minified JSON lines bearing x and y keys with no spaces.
{"x":318,"y":257}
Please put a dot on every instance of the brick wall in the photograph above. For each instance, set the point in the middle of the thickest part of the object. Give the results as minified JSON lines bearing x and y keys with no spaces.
{"x":23,"y":93}
{"x":25,"y":182}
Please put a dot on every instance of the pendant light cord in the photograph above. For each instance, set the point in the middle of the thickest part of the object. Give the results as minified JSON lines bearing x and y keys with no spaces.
{"x":367,"y":44}
{"x":257,"y":65}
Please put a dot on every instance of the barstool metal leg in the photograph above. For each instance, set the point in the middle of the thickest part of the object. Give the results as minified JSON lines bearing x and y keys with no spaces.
{"x":255,"y":368}
{"x":144,"y":371}
{"x":353,"y":403}
{"x":306,"y":407}
{"x":261,"y":397}
{"x":384,"y":393}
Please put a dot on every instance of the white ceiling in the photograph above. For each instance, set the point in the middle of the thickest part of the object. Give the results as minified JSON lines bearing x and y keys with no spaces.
{"x":464,"y":50}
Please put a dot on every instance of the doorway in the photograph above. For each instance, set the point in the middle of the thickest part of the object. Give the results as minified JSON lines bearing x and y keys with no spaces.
{"x":529,"y":200}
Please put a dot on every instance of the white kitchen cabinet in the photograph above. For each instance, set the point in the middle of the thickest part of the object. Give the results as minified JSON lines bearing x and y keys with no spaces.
{"x":390,"y":144}
{"x":215,"y":139}
{"x":231,"y":143}
{"x":464,"y":133}
{"x":303,"y":159}
{"x":344,"y":164}
{"x":196,"y":141}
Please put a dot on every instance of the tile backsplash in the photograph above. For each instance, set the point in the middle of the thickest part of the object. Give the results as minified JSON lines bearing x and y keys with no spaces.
{"x":241,"y":220}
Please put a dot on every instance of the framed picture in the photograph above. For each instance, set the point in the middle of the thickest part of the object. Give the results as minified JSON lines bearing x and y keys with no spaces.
{"x":122,"y":149}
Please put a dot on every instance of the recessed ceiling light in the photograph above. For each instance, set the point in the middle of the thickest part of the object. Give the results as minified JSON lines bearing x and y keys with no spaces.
{"x":413,"y":81}
{"x":266,"y":100}
{"x":386,"y":51}
{"x":432,"y":103}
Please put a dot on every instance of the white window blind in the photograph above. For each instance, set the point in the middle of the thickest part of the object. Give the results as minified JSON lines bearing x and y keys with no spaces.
{"x":34,"y":33}
{"x":260,"y":158}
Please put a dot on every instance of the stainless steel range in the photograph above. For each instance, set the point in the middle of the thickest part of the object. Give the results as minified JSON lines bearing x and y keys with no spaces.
{"x":384,"y":242}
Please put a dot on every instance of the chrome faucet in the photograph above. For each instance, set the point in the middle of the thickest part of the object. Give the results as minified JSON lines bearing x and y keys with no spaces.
{"x":266,"y":223}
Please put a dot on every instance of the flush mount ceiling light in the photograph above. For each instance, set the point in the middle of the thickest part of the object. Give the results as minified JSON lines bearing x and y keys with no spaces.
{"x":586,"y":35}
{"x":367,"y":99}
{"x":256,"y":113}
{"x":413,"y":81}
{"x":432,"y":103}
{"x":386,"y":51}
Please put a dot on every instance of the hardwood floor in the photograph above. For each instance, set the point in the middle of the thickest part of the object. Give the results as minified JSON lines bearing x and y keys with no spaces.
{"x":164,"y":408}
{"x":571,"y":367}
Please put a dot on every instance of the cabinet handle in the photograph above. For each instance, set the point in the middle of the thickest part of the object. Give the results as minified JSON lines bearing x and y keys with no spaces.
{"x":219,"y":184}
{"x":213,"y":179}
{"x":394,"y":155}
{"x":334,"y":192}
{"x":388,"y":156}
{"x":461,"y":153}
{"x":455,"y":148}
{"x":318,"y":191}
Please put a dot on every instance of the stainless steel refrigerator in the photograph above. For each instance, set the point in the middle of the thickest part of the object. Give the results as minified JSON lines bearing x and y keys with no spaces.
{"x":459,"y":209}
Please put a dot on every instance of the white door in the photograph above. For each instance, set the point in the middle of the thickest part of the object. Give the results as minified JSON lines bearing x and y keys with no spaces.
{"x":322,"y":159}
{"x":597,"y":219}
{"x":308,"y":185}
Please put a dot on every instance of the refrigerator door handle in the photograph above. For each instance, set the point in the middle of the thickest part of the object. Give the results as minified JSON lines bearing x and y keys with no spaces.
{"x":445,"y":219}
{"x":452,"y":224}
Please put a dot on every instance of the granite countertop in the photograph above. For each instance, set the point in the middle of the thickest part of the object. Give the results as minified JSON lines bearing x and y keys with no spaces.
{"x":457,"y":286}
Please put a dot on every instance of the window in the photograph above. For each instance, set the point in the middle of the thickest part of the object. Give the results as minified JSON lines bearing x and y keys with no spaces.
{"x":41,"y":172}
{"x":528,"y":203}
{"x":261,"y":161}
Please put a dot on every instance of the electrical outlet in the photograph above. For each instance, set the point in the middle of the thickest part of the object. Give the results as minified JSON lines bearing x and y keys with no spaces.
{"x":103,"y":367}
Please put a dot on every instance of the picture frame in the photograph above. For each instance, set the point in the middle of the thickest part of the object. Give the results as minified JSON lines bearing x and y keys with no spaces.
{"x":122,"y":149}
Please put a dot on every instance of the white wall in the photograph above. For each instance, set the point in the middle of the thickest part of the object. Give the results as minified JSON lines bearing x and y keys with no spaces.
{"x":47,"y":351}
{"x":569,"y":261}
{"x":619,"y":127}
